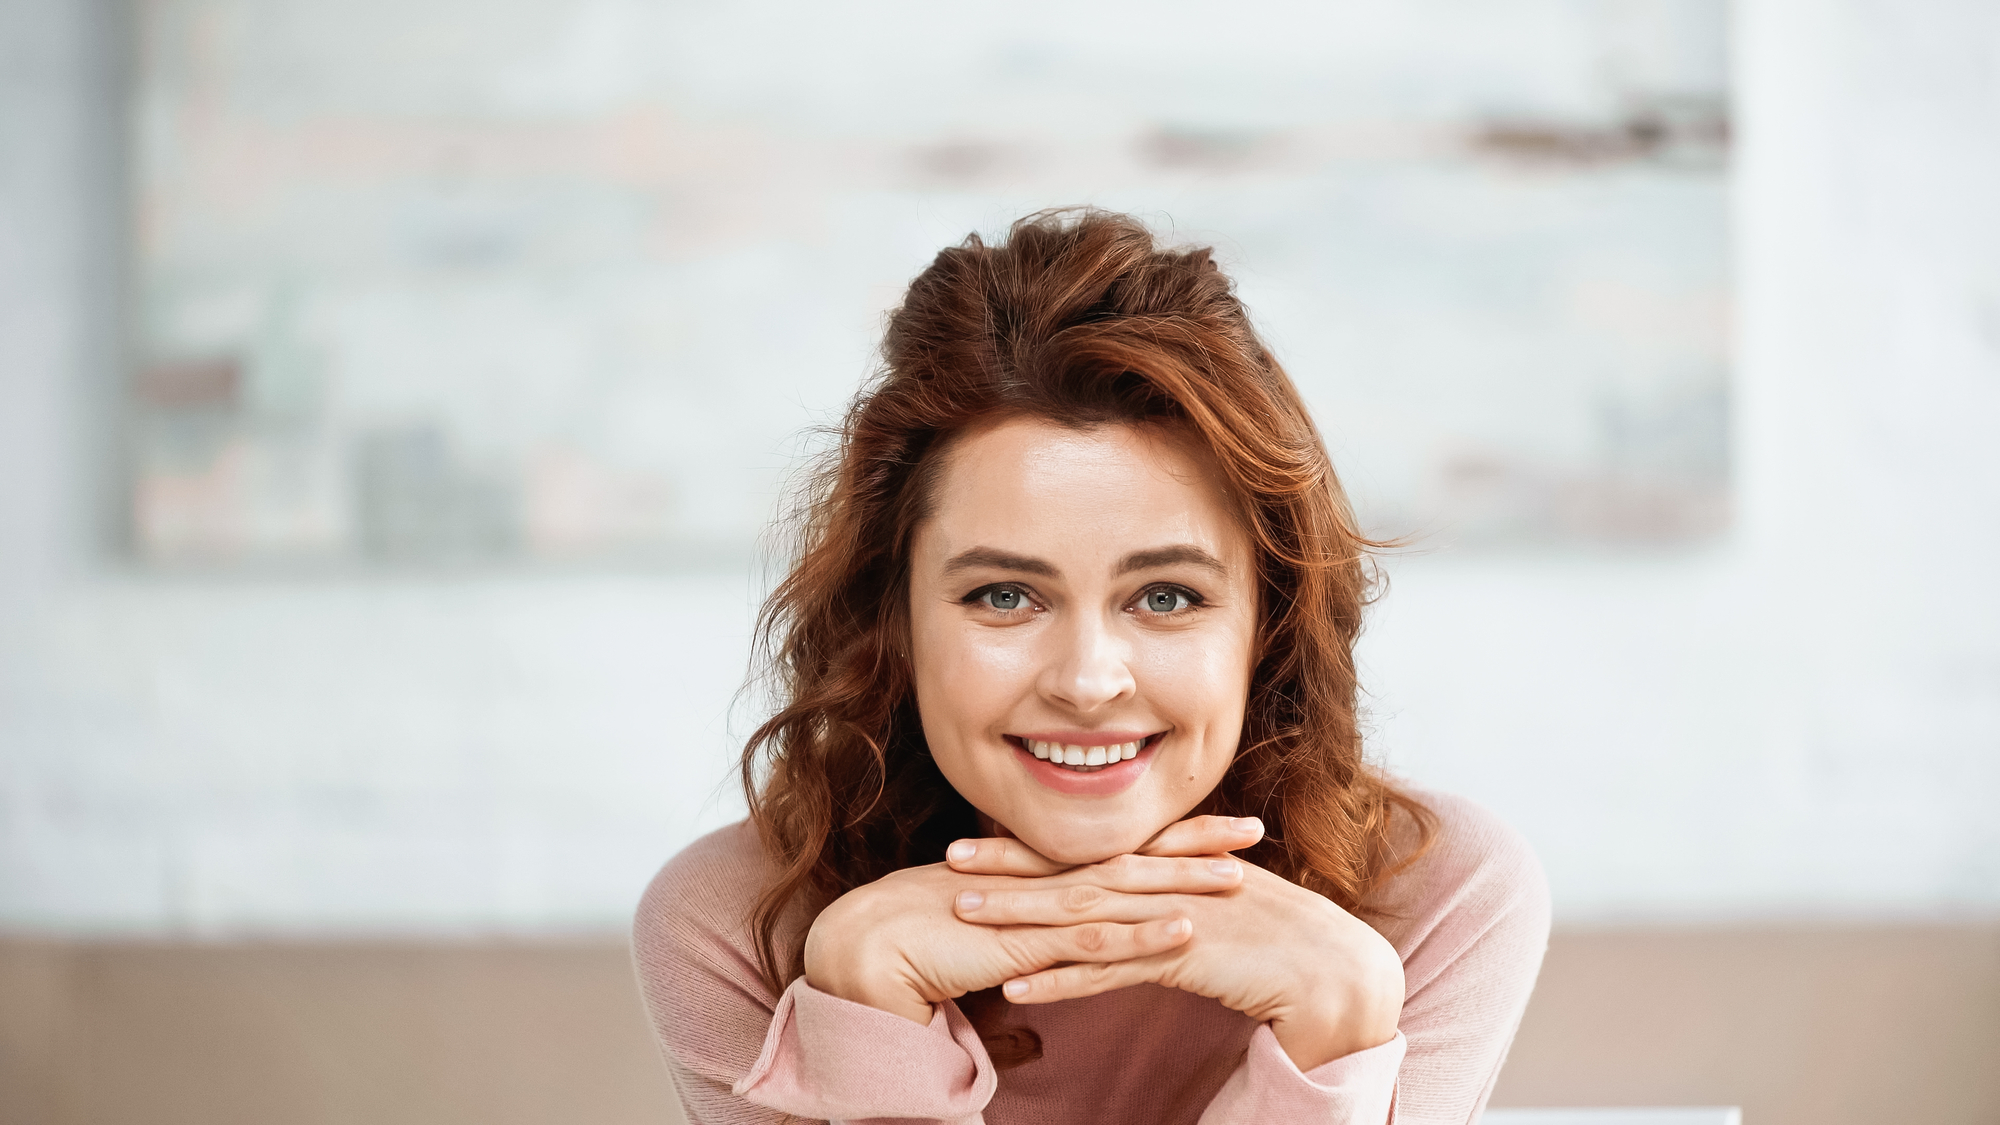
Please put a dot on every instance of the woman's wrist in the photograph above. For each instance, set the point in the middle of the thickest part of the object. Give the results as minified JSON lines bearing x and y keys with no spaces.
{"x":1315,"y":1034}
{"x":865,"y":976}
{"x":1340,"y":1014}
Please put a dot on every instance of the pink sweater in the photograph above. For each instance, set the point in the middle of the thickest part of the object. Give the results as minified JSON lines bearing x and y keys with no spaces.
{"x":1471,"y":920}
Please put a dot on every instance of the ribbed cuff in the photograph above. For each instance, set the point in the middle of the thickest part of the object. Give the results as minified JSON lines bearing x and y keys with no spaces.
{"x":832,"y":1059}
{"x":1269,"y":1089}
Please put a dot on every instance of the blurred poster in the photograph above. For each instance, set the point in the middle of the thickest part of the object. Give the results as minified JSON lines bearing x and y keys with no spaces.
{"x":539,"y":281}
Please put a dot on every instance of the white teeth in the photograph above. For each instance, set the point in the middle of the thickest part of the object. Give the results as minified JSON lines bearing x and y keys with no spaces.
{"x":1087,"y":759}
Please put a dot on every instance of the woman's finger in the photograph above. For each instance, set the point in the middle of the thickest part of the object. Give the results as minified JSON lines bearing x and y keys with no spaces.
{"x":1204,"y":835}
{"x":1067,"y":982}
{"x":1067,"y":906}
{"x":1205,"y":873}
{"x":1037,"y":947}
{"x":999,"y":856}
{"x":1127,"y":889}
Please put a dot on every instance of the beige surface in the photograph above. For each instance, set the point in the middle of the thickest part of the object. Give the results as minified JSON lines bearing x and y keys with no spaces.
{"x":1856,"y":1026}
{"x":323,"y":1034}
{"x":1859,"y":1026}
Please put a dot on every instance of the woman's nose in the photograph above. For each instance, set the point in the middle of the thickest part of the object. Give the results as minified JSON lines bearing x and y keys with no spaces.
{"x":1089,"y":670}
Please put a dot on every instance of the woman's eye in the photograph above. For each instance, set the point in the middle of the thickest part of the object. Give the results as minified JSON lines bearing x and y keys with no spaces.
{"x":1002,"y":598}
{"x":1167,"y":600}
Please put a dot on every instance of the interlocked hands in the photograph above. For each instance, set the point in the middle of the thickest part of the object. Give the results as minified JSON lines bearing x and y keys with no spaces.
{"x":1180,"y":912}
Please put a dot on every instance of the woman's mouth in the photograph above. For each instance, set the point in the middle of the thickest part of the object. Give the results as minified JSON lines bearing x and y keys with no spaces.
{"x":1083,"y":759}
{"x":1086,"y":763}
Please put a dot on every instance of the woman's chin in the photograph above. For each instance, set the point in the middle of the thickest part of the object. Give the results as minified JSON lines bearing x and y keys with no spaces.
{"x":1073,"y":848}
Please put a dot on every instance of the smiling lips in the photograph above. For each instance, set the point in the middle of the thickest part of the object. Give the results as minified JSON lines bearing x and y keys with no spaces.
{"x":1083,"y":759}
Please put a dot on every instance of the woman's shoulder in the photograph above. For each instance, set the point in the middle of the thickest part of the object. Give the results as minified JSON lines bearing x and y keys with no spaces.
{"x":717,"y":878}
{"x":1472,"y":842}
{"x":1479,"y":876}
{"x":714,"y":868}
{"x":696,"y":912}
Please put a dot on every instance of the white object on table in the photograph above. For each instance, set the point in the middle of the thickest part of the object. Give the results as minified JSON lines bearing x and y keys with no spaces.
{"x":1637,"y":1115}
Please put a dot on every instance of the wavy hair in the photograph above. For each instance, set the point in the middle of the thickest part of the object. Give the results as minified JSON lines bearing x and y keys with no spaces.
{"x":1078,"y":318}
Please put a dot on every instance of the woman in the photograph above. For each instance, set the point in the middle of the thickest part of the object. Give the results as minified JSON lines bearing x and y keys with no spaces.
{"x":1064,"y":816}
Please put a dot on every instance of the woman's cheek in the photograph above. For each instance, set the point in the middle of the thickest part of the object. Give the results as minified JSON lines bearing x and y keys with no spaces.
{"x":1200,"y":685}
{"x":999,"y":656}
{"x":1196,"y":673}
{"x":968,"y":684}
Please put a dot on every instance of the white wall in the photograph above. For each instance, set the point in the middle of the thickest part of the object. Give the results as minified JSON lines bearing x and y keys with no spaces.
{"x":1803,"y":720}
{"x":1808,"y":719}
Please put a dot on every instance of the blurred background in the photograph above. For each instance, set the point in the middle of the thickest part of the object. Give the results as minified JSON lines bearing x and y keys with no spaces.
{"x":393,"y":398}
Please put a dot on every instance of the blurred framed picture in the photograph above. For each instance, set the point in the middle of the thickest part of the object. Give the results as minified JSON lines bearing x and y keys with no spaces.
{"x":529,"y":282}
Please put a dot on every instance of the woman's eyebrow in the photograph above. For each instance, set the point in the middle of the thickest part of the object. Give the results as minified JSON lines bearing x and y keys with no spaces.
{"x":986,"y":558}
{"x":1169,"y":556}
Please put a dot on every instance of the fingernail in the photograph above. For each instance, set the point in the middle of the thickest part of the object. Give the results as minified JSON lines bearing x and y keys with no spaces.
{"x":962,"y":850}
{"x":1179,"y":926}
{"x":970,"y":900}
{"x":1249,"y":824}
{"x":1015,"y":989}
{"x":1222,"y":867}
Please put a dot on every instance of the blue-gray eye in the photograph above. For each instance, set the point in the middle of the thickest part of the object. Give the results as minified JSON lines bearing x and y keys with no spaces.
{"x":1002,"y":598}
{"x":1165,"y":600}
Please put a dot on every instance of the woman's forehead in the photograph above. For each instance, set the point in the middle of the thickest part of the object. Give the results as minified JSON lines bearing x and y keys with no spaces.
{"x":1109,"y":490}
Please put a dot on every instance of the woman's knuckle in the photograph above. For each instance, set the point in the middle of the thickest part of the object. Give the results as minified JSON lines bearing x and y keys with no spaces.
{"x":1093,"y":937}
{"x":1019,"y":948}
{"x":1081,"y":898}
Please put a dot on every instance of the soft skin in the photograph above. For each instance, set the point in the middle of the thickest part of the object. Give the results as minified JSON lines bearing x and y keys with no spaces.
{"x":1081,"y":582}
{"x":1095,"y":585}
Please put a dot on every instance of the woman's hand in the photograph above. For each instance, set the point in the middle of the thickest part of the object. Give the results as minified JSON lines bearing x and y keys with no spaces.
{"x":900,"y":944}
{"x":1325,"y":981}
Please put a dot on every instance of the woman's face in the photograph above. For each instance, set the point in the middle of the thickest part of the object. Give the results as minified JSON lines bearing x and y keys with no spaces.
{"x":1081,"y":594}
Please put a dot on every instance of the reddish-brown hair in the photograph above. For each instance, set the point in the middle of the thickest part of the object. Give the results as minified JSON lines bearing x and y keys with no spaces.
{"x":1078,"y":318}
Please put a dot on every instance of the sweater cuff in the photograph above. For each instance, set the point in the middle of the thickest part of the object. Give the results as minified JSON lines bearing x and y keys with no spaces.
{"x":1356,"y":1089}
{"x":830,"y":1059}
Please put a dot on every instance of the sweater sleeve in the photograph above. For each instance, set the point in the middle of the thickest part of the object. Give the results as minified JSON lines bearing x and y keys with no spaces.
{"x":829,"y":1058}
{"x":740,"y":1056}
{"x":705,"y":997}
{"x":1269,"y":1088}
{"x":1471,"y":923}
